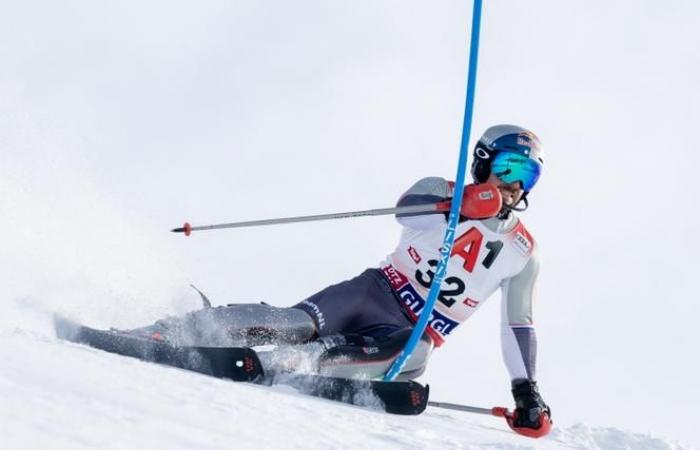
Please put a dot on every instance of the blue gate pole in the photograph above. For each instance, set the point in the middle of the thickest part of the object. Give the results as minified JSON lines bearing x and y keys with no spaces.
{"x":453,"y":219}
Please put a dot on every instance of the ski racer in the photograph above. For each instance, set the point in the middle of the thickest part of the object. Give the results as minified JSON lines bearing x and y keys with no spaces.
{"x":356,"y":328}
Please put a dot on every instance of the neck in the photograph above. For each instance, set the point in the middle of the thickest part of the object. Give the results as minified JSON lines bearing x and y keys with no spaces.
{"x":505,"y":213}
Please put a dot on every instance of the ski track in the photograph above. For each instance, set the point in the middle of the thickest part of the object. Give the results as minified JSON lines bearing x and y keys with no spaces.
{"x":61,"y":395}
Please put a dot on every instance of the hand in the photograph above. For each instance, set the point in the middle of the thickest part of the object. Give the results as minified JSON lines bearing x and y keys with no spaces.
{"x":532,"y":417}
{"x":481,"y":201}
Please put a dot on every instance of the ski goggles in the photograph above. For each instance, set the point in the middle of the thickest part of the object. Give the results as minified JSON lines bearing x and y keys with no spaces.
{"x":511,"y":167}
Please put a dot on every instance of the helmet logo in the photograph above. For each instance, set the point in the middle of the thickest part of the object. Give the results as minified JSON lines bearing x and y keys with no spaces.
{"x":481,"y":153}
{"x":523,"y":139}
{"x":529,"y":140}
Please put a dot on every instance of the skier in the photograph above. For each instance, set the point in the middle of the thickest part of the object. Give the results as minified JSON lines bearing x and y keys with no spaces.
{"x":356,"y":328}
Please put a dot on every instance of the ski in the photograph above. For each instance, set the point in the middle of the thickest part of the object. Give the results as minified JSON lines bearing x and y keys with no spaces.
{"x":238,"y":364}
{"x":395,"y":397}
{"x":243,"y":364}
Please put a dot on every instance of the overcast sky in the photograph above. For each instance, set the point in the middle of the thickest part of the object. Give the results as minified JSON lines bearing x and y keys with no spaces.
{"x":121,"y":120}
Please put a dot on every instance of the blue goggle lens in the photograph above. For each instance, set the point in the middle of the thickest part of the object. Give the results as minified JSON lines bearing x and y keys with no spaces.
{"x":510,"y":167}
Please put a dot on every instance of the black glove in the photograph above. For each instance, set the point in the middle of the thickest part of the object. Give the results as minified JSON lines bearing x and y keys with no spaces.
{"x":530,"y":410}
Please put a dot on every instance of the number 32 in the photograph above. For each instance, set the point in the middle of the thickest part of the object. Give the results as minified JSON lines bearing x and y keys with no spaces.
{"x":467,"y":246}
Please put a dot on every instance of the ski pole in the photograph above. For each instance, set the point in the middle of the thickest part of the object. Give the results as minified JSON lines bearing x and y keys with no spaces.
{"x":429,"y":208}
{"x":497,"y":411}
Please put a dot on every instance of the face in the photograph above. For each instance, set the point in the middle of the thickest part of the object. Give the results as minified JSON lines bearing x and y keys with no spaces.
{"x":511,"y":192}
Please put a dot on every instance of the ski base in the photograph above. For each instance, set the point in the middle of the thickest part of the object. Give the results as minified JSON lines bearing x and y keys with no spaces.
{"x":243,"y":364}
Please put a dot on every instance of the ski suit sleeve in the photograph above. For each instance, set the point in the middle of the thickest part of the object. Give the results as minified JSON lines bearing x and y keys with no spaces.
{"x":425,"y":190}
{"x":518,"y":339}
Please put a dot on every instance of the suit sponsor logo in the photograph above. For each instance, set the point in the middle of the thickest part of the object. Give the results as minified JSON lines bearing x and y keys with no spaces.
{"x":415,"y":304}
{"x":441,"y":324}
{"x":396,"y":278}
{"x":317,"y":312}
{"x":471,"y":303}
{"x":522,"y":243}
{"x":412,"y":300}
{"x":413,"y":253}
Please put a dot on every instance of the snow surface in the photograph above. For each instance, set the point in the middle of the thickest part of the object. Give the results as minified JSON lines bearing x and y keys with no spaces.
{"x":121,"y":120}
{"x":57,"y":394}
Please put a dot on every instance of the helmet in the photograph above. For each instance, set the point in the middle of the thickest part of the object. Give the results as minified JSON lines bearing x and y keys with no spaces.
{"x":510,"y":152}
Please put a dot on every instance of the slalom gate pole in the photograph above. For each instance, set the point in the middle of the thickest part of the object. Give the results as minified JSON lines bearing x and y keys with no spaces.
{"x":428,"y":208}
{"x":453,"y":220}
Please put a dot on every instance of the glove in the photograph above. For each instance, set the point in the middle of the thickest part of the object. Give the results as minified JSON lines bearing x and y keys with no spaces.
{"x":532,"y":417}
{"x":481,"y":201}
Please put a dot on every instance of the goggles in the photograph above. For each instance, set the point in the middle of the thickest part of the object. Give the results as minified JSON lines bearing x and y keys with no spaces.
{"x":510,"y":167}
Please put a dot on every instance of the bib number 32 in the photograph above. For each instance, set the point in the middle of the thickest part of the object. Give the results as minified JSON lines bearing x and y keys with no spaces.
{"x":468,"y":247}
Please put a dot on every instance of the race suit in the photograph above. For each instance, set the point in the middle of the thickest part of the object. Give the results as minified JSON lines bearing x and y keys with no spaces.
{"x":487,"y":255}
{"x":357,"y":327}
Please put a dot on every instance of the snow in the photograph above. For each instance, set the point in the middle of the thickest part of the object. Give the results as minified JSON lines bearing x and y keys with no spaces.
{"x":63,"y":395}
{"x":122,"y":120}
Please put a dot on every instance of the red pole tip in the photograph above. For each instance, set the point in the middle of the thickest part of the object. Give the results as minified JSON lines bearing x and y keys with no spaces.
{"x":500,"y":411}
{"x":188,"y":228}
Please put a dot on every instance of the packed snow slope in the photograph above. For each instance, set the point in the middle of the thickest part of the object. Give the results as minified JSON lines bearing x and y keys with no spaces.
{"x":63,"y":395}
{"x":122,"y":120}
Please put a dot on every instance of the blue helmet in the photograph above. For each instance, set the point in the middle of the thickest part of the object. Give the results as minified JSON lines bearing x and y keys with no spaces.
{"x":510,"y":152}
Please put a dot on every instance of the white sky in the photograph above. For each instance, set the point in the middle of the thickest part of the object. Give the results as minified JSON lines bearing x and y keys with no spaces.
{"x":118,"y":121}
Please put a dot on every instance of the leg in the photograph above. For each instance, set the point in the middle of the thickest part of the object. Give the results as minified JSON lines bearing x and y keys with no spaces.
{"x":350,"y":356}
{"x":364,"y":305}
{"x":372,"y":358}
{"x":234,"y":325}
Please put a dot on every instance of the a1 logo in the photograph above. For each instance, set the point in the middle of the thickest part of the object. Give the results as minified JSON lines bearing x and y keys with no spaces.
{"x":468,"y":247}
